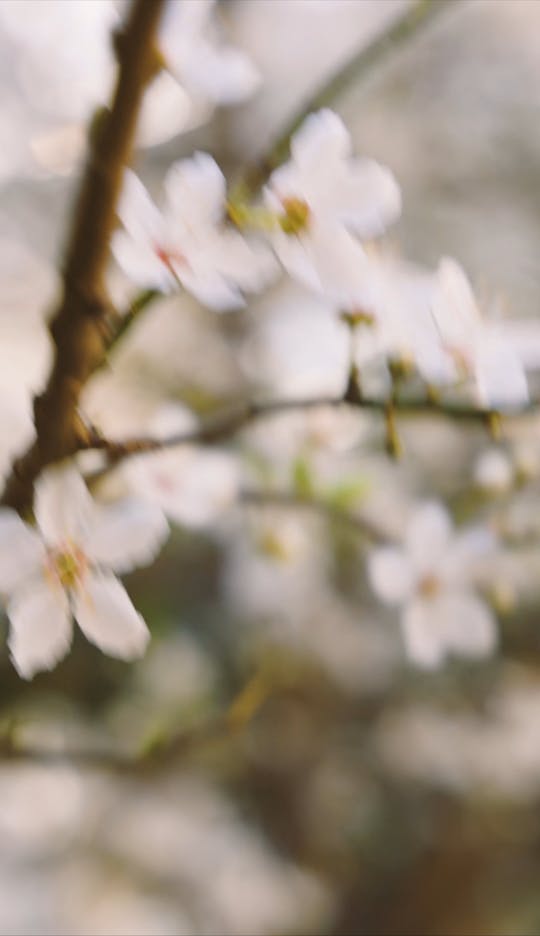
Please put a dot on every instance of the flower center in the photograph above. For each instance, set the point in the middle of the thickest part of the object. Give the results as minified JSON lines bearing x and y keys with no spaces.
{"x":295,"y":217}
{"x":357,"y":317}
{"x":169,"y":257}
{"x":67,"y":566}
{"x":275,"y":547}
{"x":429,"y":586}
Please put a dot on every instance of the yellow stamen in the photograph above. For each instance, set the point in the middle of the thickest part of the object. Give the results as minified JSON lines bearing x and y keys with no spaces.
{"x":295,"y":217}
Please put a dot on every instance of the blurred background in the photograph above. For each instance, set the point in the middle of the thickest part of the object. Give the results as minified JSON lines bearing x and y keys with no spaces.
{"x":299,"y":775}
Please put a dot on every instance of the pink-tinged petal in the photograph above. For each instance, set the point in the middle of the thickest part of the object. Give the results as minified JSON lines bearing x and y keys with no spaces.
{"x":424,"y":642}
{"x":138,"y":213}
{"x":63,"y":505}
{"x":391,"y":575}
{"x":196,"y":191}
{"x":106,"y":616}
{"x":40,"y":627}
{"x":322,"y":138}
{"x":22,"y":552}
{"x":125,"y":535}
{"x":500,"y":376}
{"x":367,"y":198}
{"x":428,"y":536}
{"x":141,"y":263}
{"x":467,"y":623}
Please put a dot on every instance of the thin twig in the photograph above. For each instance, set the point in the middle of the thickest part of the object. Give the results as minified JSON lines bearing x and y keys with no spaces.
{"x":361,"y":64}
{"x":226,"y":424}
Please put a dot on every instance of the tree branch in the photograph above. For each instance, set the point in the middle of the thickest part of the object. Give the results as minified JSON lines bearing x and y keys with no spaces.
{"x":228,"y":423}
{"x":79,"y":324}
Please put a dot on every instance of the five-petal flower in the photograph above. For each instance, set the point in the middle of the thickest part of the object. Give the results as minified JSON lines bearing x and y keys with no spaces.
{"x":431,"y":576}
{"x":192,"y":485}
{"x":65,"y":568}
{"x":324,"y":202}
{"x":474,"y":347}
{"x":189,"y":243}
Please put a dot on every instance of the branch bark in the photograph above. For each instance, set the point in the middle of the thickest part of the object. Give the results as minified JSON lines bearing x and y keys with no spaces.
{"x":79,"y":324}
{"x":224,"y":425}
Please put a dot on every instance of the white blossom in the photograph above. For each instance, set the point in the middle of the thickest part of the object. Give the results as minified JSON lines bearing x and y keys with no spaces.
{"x":209,"y":69}
{"x":323,"y":202}
{"x":431,"y":577}
{"x":473,"y":346}
{"x":394,"y":319}
{"x":65,"y":568}
{"x":494,"y":471}
{"x":192,"y":485}
{"x":188,"y":243}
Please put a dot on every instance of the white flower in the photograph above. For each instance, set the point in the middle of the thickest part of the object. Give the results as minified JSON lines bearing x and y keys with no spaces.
{"x":431,"y":577}
{"x":494,"y":471}
{"x":192,"y":485}
{"x":473,"y":346}
{"x":209,"y":70}
{"x":320,"y":199}
{"x":395,"y":321}
{"x":64,"y":569}
{"x":189,"y":243}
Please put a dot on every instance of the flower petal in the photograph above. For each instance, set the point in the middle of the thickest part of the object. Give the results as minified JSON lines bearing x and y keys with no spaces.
{"x":41,"y":630}
{"x":137,"y":212}
{"x":63,"y":505}
{"x":424,"y":642}
{"x":106,"y":616}
{"x":125,"y":535}
{"x":428,"y":535}
{"x":325,"y":258}
{"x":196,"y":192}
{"x":391,"y":575}
{"x":468,"y":623}
{"x":367,"y":198}
{"x":22,"y":551}
{"x":500,"y":375}
{"x":141,"y":264}
{"x":222,"y":74}
{"x":212,"y":290}
{"x":455,"y":622}
{"x":454,"y":306}
{"x":322,"y":138}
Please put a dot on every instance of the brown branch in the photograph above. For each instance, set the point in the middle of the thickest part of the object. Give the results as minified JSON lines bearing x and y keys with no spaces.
{"x":226,"y":424}
{"x":79,"y":324}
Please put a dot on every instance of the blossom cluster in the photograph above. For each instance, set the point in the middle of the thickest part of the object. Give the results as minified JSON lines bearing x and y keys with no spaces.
{"x":319,"y":220}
